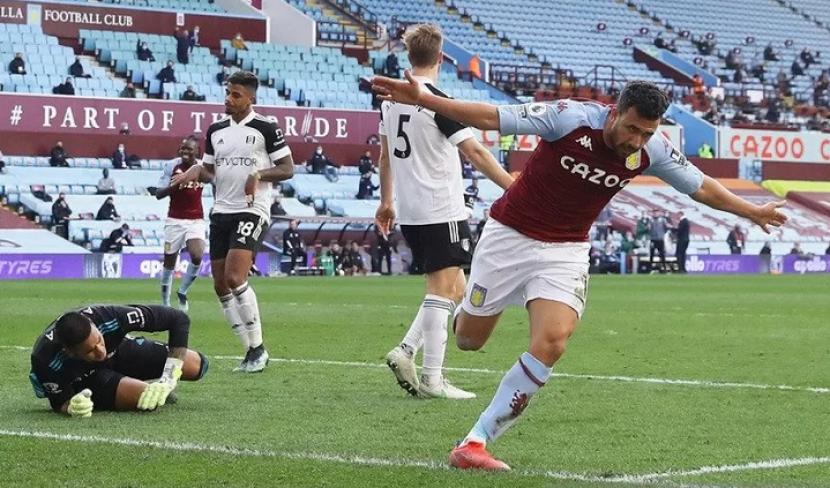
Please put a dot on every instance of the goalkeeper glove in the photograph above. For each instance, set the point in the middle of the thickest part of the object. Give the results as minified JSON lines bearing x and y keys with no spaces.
{"x":154,"y":396}
{"x":172,"y":372}
{"x":81,"y":404}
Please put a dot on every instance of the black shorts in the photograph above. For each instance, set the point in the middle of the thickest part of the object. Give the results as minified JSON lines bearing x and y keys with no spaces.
{"x":242,"y":230}
{"x":139,"y":358}
{"x":438,"y":246}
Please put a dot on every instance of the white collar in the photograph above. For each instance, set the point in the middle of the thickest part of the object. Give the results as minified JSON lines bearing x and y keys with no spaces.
{"x":244,"y":121}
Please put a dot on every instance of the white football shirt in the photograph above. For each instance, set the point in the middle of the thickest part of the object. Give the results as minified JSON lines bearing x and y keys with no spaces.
{"x":238,"y":149}
{"x":424,"y":159}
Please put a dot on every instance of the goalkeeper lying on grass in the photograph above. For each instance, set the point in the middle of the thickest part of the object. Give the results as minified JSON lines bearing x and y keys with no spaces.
{"x":85,"y":360}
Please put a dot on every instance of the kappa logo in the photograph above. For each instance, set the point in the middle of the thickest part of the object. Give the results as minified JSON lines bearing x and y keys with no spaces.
{"x":585,"y":141}
{"x":478,"y":295}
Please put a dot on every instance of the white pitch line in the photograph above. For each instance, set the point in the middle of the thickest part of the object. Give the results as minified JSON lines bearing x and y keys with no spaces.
{"x":643,"y":479}
{"x":623,"y":379}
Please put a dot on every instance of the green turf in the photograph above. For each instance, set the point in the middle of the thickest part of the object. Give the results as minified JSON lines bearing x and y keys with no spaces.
{"x":771,"y":330}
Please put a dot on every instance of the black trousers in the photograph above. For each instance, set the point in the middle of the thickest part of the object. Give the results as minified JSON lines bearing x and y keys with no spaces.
{"x":680,"y":254}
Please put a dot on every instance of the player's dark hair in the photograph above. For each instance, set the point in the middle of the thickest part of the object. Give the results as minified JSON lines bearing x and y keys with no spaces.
{"x":244,"y":78}
{"x":72,"y":328}
{"x":649,"y":100}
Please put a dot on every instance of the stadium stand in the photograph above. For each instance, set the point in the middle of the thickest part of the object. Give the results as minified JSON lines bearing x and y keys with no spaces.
{"x":176,"y":5}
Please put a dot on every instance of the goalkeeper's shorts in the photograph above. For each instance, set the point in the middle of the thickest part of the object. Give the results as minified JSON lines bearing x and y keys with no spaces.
{"x":139,"y":358}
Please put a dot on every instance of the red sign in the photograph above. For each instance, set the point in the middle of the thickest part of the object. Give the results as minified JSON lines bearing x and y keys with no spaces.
{"x":67,"y":19}
{"x":84,"y":115}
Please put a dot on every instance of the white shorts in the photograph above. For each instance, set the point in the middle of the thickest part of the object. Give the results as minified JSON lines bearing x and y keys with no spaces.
{"x":178,"y":231}
{"x":510,"y":268}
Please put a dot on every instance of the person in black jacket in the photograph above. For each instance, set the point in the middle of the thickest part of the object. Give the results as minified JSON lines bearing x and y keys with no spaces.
{"x":143,"y":52}
{"x":366,"y":165}
{"x":57,"y":156}
{"x":366,"y":189}
{"x":118,"y":238}
{"x":167,"y":74}
{"x":60,"y":214}
{"x":292,"y":244}
{"x":107,"y":211}
{"x":65,"y":88}
{"x":17,"y":65}
{"x":682,"y":242}
{"x":183,"y":47}
{"x":76,"y":69}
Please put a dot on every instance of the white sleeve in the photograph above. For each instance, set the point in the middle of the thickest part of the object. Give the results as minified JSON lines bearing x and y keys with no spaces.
{"x":671,"y":166}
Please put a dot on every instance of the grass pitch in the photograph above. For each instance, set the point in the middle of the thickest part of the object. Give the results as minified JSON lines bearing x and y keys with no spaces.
{"x":750,"y":410}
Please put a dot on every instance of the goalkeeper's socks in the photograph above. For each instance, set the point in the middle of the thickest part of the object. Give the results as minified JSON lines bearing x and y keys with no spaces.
{"x":231,"y":311}
{"x":189,"y":277}
{"x":249,"y":312}
{"x":166,"y":284}
{"x":516,"y":389}
{"x":435,"y":310}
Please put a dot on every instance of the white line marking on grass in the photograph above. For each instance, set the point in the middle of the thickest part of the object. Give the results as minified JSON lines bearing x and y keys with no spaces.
{"x":643,"y":479}
{"x":623,"y":379}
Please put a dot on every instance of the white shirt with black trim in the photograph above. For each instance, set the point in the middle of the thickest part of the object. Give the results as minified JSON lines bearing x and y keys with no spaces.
{"x":238,"y":149}
{"x":424,"y":159}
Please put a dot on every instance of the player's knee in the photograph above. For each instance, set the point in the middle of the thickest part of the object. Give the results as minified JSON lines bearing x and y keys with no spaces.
{"x":233,"y":281}
{"x":467,"y":343}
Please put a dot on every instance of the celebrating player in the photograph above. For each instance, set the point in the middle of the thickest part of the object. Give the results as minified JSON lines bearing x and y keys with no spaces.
{"x":244,"y":154}
{"x":430,"y":199}
{"x":534,"y":248}
{"x":185,"y":225}
{"x":85,"y":360}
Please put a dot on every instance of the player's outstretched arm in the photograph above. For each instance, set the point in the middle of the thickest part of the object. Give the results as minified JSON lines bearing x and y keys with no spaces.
{"x":479,"y":115}
{"x":385,"y":215}
{"x":484,"y":161}
{"x":715,"y":195}
{"x":197,"y":172}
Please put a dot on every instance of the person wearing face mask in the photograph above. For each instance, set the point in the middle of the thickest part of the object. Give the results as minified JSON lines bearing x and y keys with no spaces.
{"x":143,"y":52}
{"x":167,"y":74}
{"x":85,"y":360}
{"x":320,"y":164}
{"x":119,"y":157}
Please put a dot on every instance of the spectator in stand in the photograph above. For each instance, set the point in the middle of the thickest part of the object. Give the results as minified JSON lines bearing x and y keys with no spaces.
{"x":106,"y":185}
{"x":366,"y":165}
{"x":65,"y":88}
{"x":107,"y":211}
{"x":223,"y":75}
{"x":167,"y":74}
{"x":770,"y":54}
{"x":733,"y":59}
{"x":827,"y":251}
{"x":119,"y":157}
{"x":125,"y":129}
{"x":76,"y":69}
{"x":58,"y":156}
{"x":238,"y":42}
{"x":807,"y":58}
{"x":773,"y":115}
{"x":17,"y":66}
{"x":144,"y":53}
{"x":61,"y":213}
{"x":659,"y":42}
{"x":2,"y":163}
{"x":292,"y":245}
{"x":796,"y":250}
{"x":118,"y":238}
{"x":766,"y":257}
{"x":190,"y":95}
{"x":736,"y":240}
{"x":698,"y":88}
{"x":796,"y":69}
{"x":193,"y":39}
{"x":682,"y":241}
{"x":471,"y":193}
{"x":183,"y":47}
{"x":320,"y":164}
{"x":390,"y":66}
{"x":128,"y":91}
{"x":366,"y":189}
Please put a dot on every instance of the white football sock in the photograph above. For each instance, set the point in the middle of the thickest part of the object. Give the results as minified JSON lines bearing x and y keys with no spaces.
{"x":434,"y":311}
{"x":189,"y":277}
{"x":249,"y":312}
{"x":516,"y":389}
{"x":231,"y":311}
{"x":166,"y":284}
{"x":414,"y":337}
